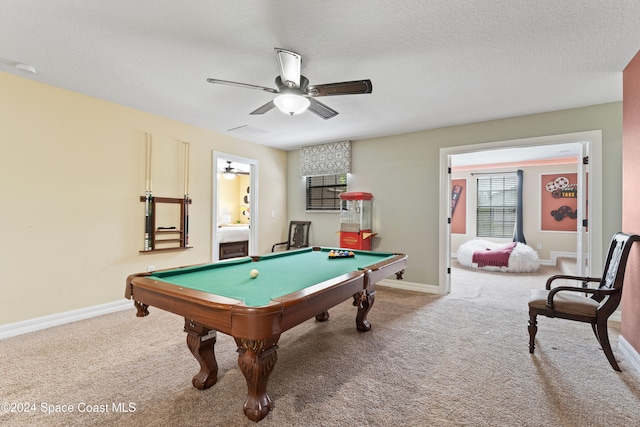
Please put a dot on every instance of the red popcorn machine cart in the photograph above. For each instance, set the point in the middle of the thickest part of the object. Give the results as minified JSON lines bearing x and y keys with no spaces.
{"x":355,"y":221}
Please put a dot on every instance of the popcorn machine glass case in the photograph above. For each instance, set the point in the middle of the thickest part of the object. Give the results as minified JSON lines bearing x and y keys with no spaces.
{"x":355,"y":221}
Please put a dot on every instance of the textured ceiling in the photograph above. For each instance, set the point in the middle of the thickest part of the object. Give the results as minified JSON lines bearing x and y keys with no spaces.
{"x":432,"y":63}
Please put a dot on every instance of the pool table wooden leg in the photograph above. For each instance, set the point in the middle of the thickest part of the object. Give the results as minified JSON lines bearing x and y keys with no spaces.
{"x":201,"y":341}
{"x":256,"y":359}
{"x":142,"y":309}
{"x":363,"y":300}
{"x":323,"y":317}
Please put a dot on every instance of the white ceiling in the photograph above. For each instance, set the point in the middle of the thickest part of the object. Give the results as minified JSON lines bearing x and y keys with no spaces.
{"x":432,"y":63}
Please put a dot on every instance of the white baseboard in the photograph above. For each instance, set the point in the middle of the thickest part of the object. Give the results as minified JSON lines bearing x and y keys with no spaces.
{"x":37,"y":324}
{"x":555,"y":255}
{"x":629,"y":352}
{"x":409,"y":286}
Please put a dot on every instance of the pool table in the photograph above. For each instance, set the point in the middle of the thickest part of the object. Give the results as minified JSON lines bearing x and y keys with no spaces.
{"x":291,"y":287}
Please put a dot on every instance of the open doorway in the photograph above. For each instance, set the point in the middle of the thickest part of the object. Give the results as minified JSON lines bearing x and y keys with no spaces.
{"x":234,"y":219}
{"x":587,"y":244}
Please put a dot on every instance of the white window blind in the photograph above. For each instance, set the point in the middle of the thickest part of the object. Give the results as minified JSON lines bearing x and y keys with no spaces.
{"x":323,"y":192}
{"x":496,"y":205}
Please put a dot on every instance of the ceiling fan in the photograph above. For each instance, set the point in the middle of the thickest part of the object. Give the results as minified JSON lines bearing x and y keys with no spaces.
{"x":229,"y":173}
{"x":295,"y":95}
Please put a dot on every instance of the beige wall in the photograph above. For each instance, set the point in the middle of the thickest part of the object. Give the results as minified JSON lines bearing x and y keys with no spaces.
{"x":548,"y":240}
{"x":402,"y":172}
{"x":72,"y":172}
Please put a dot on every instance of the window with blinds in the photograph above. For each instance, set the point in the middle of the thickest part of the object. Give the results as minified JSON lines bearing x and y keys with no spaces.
{"x":496,"y":207}
{"x":323,"y":192}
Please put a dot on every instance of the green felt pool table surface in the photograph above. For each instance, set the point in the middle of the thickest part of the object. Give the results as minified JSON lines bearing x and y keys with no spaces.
{"x":279,"y":274}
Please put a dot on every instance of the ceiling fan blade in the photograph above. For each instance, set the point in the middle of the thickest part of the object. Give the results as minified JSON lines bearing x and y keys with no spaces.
{"x":245,"y":85}
{"x":289,"y":63}
{"x":321,"y":110}
{"x":233,"y":171}
{"x":266,"y":107}
{"x":355,"y":87}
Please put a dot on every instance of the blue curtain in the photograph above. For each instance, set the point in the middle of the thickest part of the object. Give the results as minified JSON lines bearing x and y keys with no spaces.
{"x":518,"y":235}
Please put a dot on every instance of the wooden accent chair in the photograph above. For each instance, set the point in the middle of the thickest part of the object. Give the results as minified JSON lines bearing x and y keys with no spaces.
{"x":569,"y":302}
{"x":298,"y":236}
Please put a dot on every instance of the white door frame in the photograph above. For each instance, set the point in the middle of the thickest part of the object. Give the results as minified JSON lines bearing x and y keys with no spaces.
{"x":253,"y":202}
{"x":594,"y":138}
{"x":583,"y":249}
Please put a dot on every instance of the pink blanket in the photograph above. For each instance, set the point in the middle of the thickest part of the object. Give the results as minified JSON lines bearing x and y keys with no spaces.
{"x":496,"y":257}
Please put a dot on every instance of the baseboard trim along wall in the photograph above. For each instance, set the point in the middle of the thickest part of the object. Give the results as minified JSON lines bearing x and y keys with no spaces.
{"x":409,"y":286}
{"x":40,"y":323}
{"x":555,"y":255}
{"x":629,"y":352}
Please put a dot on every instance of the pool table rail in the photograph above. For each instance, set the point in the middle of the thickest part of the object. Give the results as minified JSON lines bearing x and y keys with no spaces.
{"x":315,"y":300}
{"x":384,"y":269}
{"x":233,"y":317}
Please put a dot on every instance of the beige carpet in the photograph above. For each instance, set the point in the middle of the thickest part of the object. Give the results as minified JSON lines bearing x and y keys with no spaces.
{"x":455,"y":360}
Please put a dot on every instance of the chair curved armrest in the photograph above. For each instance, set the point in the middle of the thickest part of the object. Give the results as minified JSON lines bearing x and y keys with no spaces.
{"x":273,"y":248}
{"x":568,"y":277}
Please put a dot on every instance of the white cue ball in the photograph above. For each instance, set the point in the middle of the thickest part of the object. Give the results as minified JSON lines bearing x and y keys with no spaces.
{"x":253,"y":274}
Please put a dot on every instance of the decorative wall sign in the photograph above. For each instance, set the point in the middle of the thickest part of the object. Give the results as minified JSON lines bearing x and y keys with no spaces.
{"x":458,"y":206}
{"x":559,"y":202}
{"x":246,"y":211}
{"x":564,"y":211}
{"x":561,"y":187}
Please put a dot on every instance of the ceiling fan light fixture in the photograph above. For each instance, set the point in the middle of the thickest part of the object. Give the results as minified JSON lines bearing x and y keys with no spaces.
{"x":291,"y":104}
{"x":294,"y":94}
{"x":228,"y":173}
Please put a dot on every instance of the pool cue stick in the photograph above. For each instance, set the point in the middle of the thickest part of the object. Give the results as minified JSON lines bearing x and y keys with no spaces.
{"x":148,"y":245}
{"x":187,"y":149}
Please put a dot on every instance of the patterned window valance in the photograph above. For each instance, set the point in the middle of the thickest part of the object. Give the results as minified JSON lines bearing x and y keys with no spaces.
{"x":326,"y":159}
